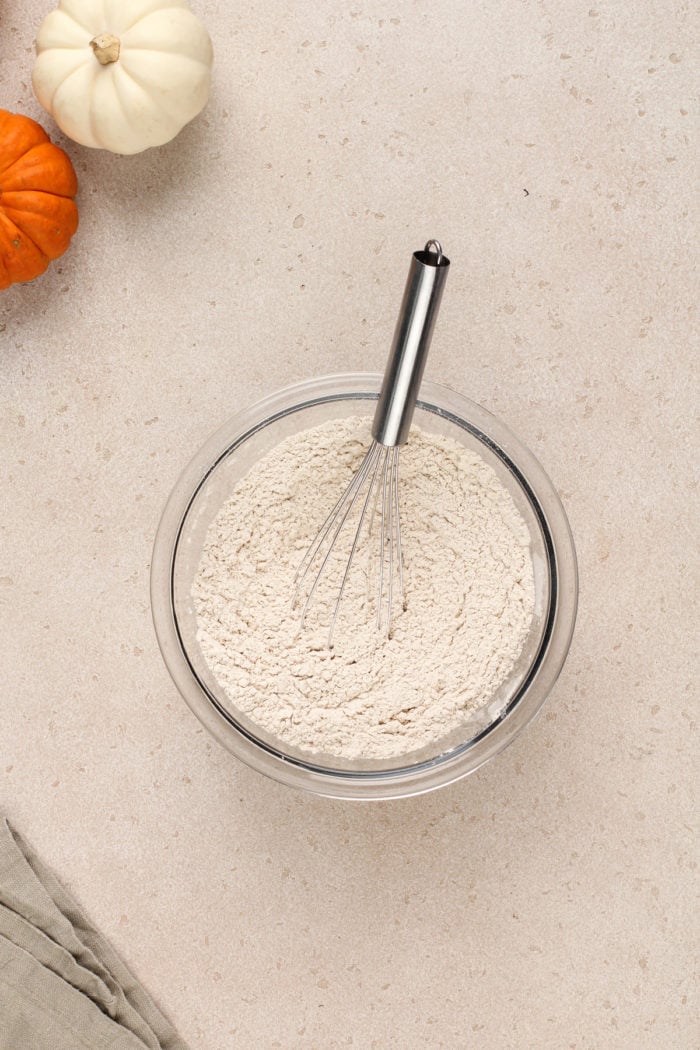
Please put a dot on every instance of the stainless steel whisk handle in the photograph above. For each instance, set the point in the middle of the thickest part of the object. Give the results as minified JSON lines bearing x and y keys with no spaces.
{"x":409,"y":349}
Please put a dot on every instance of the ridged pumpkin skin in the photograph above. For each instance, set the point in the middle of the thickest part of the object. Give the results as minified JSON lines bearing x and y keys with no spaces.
{"x":38,"y":216}
{"x":122,"y":75}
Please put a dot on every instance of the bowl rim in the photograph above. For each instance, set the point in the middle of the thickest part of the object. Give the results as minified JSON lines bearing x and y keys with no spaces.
{"x":540,"y":678}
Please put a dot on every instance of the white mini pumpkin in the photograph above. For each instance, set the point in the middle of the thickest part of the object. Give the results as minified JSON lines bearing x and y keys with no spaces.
{"x":122,"y":75}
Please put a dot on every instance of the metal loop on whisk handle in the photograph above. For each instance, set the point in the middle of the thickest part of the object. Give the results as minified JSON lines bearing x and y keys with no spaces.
{"x":409,"y":350}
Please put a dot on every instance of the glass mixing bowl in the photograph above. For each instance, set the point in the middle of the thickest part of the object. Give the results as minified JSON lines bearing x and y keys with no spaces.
{"x":208,"y":482}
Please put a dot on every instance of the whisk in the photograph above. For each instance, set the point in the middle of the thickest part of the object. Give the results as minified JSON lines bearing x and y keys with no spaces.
{"x":374,"y":489}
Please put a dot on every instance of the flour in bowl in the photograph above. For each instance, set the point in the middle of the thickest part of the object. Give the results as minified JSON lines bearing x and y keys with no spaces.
{"x":468,"y":605}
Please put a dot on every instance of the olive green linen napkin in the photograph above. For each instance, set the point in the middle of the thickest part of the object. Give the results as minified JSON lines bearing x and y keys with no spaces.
{"x":61,"y":985}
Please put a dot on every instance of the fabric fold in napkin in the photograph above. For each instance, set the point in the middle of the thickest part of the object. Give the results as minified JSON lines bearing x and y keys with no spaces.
{"x":62,"y":987}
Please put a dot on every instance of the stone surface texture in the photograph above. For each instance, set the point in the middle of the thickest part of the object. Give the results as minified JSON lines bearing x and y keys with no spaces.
{"x":548,"y":902}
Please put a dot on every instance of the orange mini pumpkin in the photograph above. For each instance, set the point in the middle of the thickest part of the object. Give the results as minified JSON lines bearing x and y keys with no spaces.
{"x":38,"y":216}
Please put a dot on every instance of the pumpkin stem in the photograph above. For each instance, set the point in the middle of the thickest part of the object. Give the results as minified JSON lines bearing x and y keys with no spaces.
{"x":106,"y":48}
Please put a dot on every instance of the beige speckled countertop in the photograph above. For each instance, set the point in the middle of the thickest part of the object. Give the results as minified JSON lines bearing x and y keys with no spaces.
{"x":547,"y":901}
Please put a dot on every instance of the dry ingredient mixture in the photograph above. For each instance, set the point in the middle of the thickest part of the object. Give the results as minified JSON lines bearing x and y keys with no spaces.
{"x":469,"y":598}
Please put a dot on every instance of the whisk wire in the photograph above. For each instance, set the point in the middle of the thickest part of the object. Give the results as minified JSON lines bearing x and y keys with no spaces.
{"x":378,"y":473}
{"x":391,"y":544}
{"x":313,"y":549}
{"x":340,"y":516}
{"x":382,"y":546}
{"x":356,"y":540}
{"x":397,"y":514}
{"x":390,"y":554}
{"x":320,"y":536}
